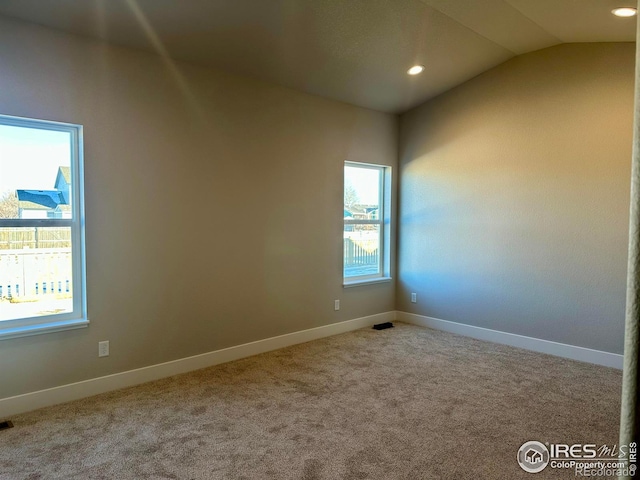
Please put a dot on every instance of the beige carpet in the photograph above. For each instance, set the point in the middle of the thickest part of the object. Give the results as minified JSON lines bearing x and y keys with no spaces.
{"x":403,"y":403}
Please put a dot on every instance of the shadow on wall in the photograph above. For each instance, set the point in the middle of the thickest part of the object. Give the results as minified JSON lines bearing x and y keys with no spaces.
{"x":515,"y":192}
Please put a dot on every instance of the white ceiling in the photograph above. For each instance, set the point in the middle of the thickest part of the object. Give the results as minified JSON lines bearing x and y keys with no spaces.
{"x":356,"y":51}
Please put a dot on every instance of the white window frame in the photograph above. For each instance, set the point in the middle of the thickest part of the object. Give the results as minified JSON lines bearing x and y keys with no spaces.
{"x":78,"y":317}
{"x":384,"y":223}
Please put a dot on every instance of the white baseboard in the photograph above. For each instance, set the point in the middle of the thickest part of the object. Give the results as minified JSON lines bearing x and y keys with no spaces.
{"x":74,"y":391}
{"x":528,"y":343}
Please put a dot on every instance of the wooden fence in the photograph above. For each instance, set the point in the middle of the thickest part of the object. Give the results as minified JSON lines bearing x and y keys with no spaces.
{"x":35,"y":237}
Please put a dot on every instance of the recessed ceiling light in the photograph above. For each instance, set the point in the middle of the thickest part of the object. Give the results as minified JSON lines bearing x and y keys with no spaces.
{"x":415,"y":70}
{"x":624,"y":12}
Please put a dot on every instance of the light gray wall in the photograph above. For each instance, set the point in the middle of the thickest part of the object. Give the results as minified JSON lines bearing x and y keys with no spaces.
{"x":214,"y":204}
{"x":514,"y":201}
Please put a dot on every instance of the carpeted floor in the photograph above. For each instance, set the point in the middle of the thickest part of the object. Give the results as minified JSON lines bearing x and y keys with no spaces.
{"x":404,"y":403}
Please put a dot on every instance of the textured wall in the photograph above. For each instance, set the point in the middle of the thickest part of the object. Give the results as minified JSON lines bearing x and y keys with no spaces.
{"x":514,"y":201}
{"x":214,"y":204}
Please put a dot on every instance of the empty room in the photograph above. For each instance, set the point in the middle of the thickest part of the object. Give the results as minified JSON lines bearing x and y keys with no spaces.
{"x":318,"y":239}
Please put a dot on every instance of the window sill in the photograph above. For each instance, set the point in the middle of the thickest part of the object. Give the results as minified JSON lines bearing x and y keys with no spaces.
{"x":368,"y":281}
{"x":25,"y":331}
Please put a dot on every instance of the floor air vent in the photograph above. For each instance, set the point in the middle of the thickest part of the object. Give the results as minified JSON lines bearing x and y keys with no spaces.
{"x":382,"y":326}
{"x":6,"y":424}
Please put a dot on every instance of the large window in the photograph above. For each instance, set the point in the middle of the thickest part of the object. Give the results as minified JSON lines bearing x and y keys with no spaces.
{"x":41,"y":227}
{"x":366,"y":223}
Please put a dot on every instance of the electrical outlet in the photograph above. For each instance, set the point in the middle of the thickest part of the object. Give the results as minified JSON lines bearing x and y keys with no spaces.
{"x":336,"y":305}
{"x":103,"y":349}
{"x":414,"y":298}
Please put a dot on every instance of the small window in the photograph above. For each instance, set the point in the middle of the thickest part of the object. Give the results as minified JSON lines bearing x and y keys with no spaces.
{"x":366,"y":223}
{"x":42,"y":280}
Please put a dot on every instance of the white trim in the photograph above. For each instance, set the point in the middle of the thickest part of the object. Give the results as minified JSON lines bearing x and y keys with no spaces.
{"x":65,"y":393}
{"x":368,"y":281}
{"x":38,"y":328}
{"x":572,"y":352}
{"x":383,"y":221}
{"x":77,"y":318}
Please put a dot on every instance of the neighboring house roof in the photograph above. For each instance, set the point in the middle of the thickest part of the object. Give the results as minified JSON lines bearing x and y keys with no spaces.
{"x":66,"y":173}
{"x":39,"y":199}
{"x":357,"y":209}
{"x":63,"y":178}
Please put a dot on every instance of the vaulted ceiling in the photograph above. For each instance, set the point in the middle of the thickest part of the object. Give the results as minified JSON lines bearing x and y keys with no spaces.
{"x":356,"y":51}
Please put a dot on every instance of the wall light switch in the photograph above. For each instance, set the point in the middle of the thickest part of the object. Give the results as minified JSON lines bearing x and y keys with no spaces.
{"x":414,"y":298}
{"x":336,"y":305}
